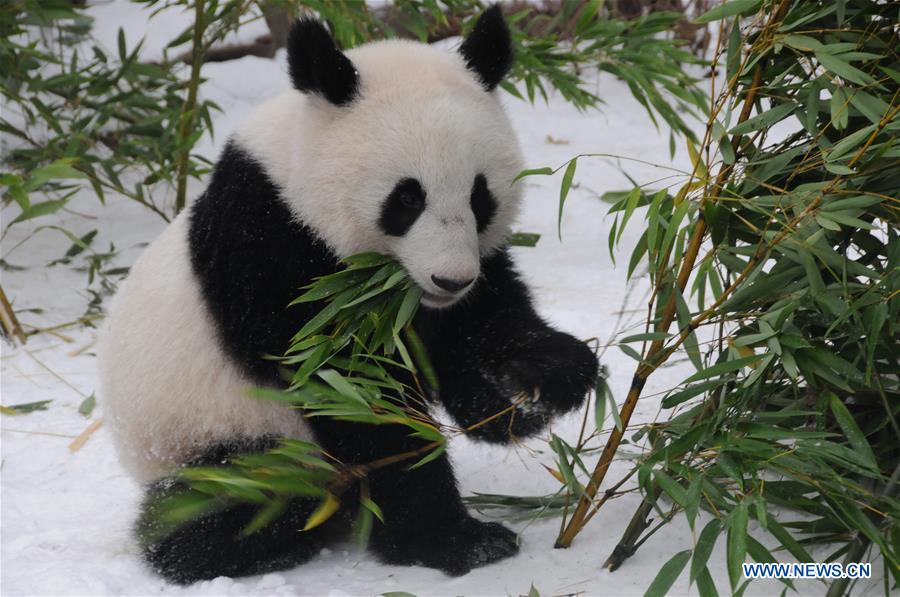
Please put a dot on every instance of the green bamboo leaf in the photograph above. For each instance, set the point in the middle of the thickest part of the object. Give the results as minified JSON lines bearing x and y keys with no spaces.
{"x":736,"y":550}
{"x":872,"y":107}
{"x":60,"y":169}
{"x":694,"y":495}
{"x":843,"y":69}
{"x":802,"y":42}
{"x":645,"y":337}
{"x":630,"y":203}
{"x":407,"y":308}
{"x":611,"y":239}
{"x":689,"y":392}
{"x":838,"y":105}
{"x":733,"y":56}
{"x":600,"y":392}
{"x":729,"y":9}
{"x":704,"y":547}
{"x":25,"y":408}
{"x":705,"y":585}
{"x":565,"y":468}
{"x":637,"y":255}
{"x":812,"y":109}
{"x":723,"y":368}
{"x":264,"y":516}
{"x":674,"y":224}
{"x":36,"y":210}
{"x":668,"y":574}
{"x":691,"y":345}
{"x":433,"y":455}
{"x":857,"y":202}
{"x":839,"y":169}
{"x":787,"y":540}
{"x":545,"y":171}
{"x":339,"y":383}
{"x":672,"y":488}
{"x":851,"y":430}
{"x":325,"y":315}
{"x":764,"y":120}
{"x":568,"y":175}
{"x":524,"y":239}
{"x":850,"y":142}
{"x":371,"y":506}
{"x":87,"y":406}
{"x":614,"y":409}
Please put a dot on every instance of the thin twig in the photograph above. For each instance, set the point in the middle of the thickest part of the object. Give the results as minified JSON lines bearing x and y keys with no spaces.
{"x":186,"y":121}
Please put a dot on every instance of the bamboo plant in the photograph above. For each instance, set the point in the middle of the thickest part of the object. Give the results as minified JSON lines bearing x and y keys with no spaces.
{"x":781,"y":251}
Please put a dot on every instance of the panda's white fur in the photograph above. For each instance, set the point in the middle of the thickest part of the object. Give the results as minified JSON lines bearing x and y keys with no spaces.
{"x":168,"y":389}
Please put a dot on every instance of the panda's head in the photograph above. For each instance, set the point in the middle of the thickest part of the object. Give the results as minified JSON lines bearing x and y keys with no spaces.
{"x":406,"y":151}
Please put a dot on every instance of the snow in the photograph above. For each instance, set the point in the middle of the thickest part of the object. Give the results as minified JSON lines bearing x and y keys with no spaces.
{"x":66,"y":515}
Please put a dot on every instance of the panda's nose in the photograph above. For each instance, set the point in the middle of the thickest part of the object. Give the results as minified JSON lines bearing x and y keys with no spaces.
{"x":450,"y":285}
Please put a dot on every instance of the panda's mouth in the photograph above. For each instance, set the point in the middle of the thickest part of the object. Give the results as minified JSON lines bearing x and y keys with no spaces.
{"x":438,"y":301}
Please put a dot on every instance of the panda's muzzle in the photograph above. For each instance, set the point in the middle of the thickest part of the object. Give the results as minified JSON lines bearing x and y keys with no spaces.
{"x":450,"y":285}
{"x":452,"y":291}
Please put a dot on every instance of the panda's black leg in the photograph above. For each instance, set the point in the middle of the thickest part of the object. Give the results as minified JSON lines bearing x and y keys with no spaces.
{"x":425,"y":520}
{"x":215,"y":544}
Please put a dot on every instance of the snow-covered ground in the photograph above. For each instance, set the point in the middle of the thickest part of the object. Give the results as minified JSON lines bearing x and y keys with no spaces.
{"x":66,"y":515}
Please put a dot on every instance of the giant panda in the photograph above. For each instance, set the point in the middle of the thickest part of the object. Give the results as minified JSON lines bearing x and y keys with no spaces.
{"x":396,"y":147}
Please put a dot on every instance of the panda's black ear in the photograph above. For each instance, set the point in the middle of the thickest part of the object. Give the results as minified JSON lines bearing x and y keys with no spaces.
{"x":318,"y":66}
{"x":488,"y":49}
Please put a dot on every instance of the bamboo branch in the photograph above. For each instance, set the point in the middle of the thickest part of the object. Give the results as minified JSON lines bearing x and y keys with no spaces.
{"x":186,"y":121}
{"x":625,"y":548}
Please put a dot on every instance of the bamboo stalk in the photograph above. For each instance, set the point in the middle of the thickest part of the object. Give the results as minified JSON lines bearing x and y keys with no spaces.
{"x":626,"y":547}
{"x":12,"y":330}
{"x":186,"y":121}
{"x":653,"y":360}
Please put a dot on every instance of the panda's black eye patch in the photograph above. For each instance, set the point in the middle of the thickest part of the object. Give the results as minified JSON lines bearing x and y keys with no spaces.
{"x":402,"y":207}
{"x":483,"y":203}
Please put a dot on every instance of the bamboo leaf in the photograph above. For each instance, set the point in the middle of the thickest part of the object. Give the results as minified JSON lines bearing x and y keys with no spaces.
{"x":25,"y":408}
{"x":630,"y":203}
{"x":704,"y":547}
{"x":851,"y":430}
{"x":87,"y":406}
{"x":672,"y":488}
{"x":433,"y":455}
{"x":843,"y":69}
{"x":545,"y":171}
{"x":737,"y":542}
{"x":764,"y":120}
{"x":721,"y":369}
{"x":668,"y":574}
{"x":568,"y":175}
{"x":325,"y":510}
{"x":729,"y":9}
{"x":705,"y":585}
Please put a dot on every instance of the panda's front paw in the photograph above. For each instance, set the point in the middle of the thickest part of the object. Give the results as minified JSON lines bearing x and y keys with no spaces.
{"x":553,"y":376}
{"x":457,"y":550}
